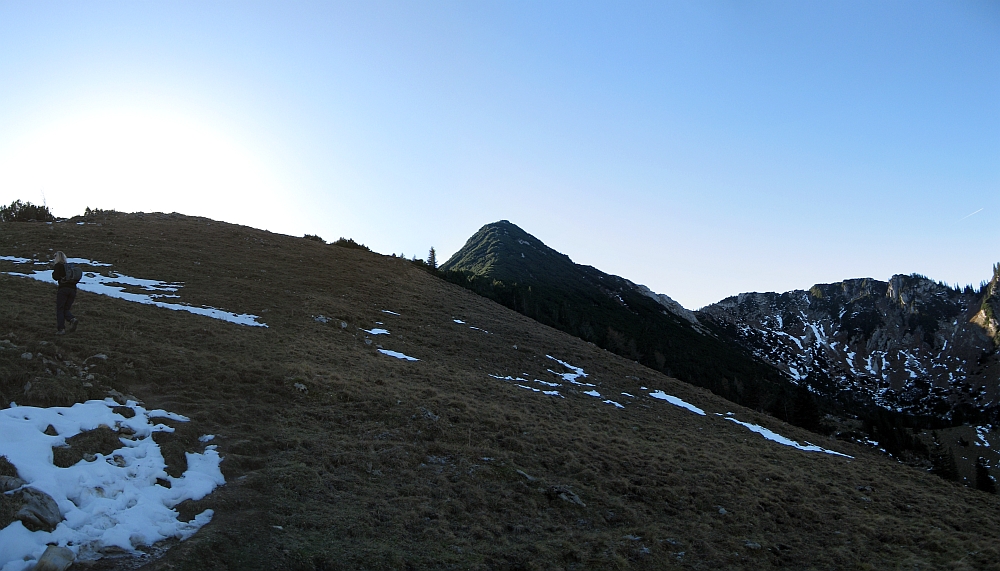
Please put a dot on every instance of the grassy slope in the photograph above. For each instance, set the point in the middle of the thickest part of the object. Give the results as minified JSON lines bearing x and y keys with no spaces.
{"x":380,"y":465}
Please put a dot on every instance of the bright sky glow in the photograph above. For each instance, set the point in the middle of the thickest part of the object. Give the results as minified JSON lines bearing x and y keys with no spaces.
{"x":148,"y":161}
{"x":700,"y":148}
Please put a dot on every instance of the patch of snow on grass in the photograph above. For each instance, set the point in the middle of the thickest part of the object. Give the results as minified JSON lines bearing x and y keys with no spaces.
{"x":570,"y":377}
{"x":525,"y":380}
{"x":104,"y":505}
{"x":86,"y":262}
{"x":775,"y":437}
{"x":628,"y":395}
{"x":114,"y":286}
{"x":676,"y":402}
{"x":397,"y":355}
{"x":550,"y":393}
{"x":376,"y":331}
{"x":592,"y":393}
{"x":617,"y":405}
{"x":389,"y":312}
{"x":459,"y":321}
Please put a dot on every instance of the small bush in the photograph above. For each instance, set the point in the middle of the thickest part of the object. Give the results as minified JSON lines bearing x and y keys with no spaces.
{"x":25,"y":212}
{"x":350,"y":243}
{"x":314,"y":238}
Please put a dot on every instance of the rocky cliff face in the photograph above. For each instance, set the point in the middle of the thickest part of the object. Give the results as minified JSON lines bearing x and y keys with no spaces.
{"x":909,"y":344}
{"x":989,"y":309}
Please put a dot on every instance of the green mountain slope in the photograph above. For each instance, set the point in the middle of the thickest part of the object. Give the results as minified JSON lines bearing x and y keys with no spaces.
{"x":508,"y":265}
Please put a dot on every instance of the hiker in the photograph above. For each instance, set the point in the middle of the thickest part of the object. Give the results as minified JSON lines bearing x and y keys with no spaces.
{"x":65,"y":295}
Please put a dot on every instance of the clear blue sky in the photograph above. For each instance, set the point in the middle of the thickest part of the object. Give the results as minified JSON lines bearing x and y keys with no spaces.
{"x":700,"y":148}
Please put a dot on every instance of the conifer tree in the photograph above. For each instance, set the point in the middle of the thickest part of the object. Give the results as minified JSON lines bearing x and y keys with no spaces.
{"x":432,"y":259}
{"x":984,"y":481}
{"x":945,"y":466}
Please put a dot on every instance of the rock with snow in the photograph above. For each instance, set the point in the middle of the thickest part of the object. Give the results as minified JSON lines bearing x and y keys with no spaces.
{"x":55,"y":559}
{"x":38,"y":511}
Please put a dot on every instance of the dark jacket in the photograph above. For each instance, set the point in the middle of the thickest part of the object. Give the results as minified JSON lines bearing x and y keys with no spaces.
{"x":58,"y":273}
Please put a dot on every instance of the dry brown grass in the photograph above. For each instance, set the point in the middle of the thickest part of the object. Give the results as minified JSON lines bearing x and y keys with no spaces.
{"x":382,"y":464}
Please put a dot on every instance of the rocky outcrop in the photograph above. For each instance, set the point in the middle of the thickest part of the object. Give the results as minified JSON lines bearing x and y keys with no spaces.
{"x":988,"y":316}
{"x":909,"y":344}
{"x":668,"y":303}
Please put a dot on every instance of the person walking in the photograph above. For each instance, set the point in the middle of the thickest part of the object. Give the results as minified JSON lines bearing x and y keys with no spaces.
{"x":65,"y":296}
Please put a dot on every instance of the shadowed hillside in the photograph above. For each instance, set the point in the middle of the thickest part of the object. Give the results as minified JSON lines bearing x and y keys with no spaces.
{"x":506,"y":445}
{"x":510,"y":266}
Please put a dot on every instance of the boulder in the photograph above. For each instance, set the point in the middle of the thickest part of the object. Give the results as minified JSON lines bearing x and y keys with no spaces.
{"x":55,"y":559}
{"x":39,"y":512}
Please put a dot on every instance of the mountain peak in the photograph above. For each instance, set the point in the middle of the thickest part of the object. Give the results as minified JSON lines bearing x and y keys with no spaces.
{"x":501,"y":250}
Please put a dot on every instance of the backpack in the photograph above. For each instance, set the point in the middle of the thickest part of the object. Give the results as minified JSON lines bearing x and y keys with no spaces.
{"x":73,"y":275}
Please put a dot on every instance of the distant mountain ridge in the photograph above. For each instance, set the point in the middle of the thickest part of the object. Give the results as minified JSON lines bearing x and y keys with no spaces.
{"x":909,"y":344}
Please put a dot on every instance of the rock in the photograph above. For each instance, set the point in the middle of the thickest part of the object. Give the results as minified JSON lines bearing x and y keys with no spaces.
{"x":55,"y":559}
{"x":343,"y":325}
{"x":752,"y":545}
{"x":301,"y":387}
{"x":321,"y":319}
{"x":100,"y":356}
{"x":8,"y":483}
{"x":722,"y":511}
{"x":26,"y":355}
{"x":526,"y":476}
{"x":564,"y":494}
{"x":39,"y":512}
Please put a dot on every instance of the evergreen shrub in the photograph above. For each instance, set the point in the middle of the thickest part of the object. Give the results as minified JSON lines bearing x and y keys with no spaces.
{"x":25,"y":212}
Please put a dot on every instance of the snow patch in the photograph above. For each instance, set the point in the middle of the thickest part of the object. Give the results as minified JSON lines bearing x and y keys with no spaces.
{"x":111,"y":502}
{"x":981,"y":432}
{"x":533,"y":389}
{"x":397,"y":355}
{"x":114,"y":286}
{"x":676,"y":402}
{"x":570,"y":377}
{"x":775,"y":437}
